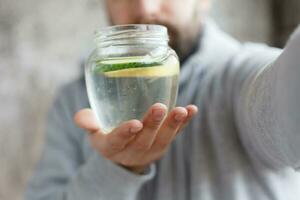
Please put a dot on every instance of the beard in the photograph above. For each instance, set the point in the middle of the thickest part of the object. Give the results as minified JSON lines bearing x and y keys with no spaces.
{"x":182,"y":39}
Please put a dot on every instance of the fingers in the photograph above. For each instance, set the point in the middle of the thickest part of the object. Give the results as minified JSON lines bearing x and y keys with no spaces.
{"x":108,"y":143}
{"x":85,"y":119}
{"x":117,"y":140}
{"x":151,"y":122}
{"x":153,"y":133}
{"x":192,"y":111}
{"x":170,"y":127}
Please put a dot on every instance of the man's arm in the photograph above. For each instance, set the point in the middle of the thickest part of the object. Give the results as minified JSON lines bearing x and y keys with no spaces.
{"x":62,"y":173}
{"x":267,"y":109}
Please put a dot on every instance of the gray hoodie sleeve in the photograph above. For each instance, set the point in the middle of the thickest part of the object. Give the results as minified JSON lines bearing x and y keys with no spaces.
{"x":267,"y":108}
{"x":62,"y":174}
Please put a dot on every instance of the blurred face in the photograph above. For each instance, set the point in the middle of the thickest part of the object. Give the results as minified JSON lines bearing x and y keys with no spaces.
{"x":183,"y":18}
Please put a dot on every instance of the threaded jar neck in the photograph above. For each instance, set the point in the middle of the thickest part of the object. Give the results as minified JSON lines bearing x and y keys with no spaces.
{"x":132,"y":34}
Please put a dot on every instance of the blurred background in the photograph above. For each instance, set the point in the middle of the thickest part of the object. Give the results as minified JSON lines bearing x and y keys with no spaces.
{"x":41,"y":43}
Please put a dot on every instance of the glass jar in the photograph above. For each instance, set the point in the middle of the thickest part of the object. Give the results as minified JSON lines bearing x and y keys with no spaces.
{"x":131,"y":68}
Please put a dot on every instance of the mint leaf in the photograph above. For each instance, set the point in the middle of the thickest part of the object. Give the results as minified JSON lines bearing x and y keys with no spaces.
{"x":100,"y":68}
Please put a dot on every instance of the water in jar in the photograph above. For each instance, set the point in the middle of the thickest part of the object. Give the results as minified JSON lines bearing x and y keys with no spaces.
{"x":122,"y":89}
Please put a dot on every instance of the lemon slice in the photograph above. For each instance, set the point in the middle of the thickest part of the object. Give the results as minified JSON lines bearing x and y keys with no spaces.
{"x":156,"y":71}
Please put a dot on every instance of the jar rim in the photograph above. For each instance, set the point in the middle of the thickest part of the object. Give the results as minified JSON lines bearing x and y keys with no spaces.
{"x":132,"y":32}
{"x":133,"y":27}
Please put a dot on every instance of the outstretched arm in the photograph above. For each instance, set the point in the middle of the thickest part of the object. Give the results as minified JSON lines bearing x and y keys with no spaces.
{"x":268,"y":109}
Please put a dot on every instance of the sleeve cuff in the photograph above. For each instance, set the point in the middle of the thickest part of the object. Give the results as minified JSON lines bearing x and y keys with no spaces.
{"x":100,"y":178}
{"x":119,"y":174}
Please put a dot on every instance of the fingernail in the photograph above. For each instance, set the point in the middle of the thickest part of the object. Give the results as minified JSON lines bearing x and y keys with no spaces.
{"x":135,"y":129}
{"x":179,"y":117}
{"x":158,"y":114}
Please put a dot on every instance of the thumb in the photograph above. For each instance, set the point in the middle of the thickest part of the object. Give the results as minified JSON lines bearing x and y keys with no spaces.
{"x":86,"y":119}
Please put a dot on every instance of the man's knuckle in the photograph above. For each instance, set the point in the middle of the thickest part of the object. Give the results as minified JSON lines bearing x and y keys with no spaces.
{"x":172,"y":126}
{"x":162,"y":144}
{"x":141,"y":146}
{"x":153,"y":125}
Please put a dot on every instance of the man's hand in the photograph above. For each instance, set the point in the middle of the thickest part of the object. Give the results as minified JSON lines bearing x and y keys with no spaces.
{"x":136,"y":144}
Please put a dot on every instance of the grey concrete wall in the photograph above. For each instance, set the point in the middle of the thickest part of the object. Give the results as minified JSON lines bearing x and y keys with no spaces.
{"x":246,"y":20}
{"x":40,"y":46}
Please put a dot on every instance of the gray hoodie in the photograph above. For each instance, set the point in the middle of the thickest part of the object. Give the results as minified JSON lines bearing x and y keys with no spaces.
{"x":243,"y":145}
